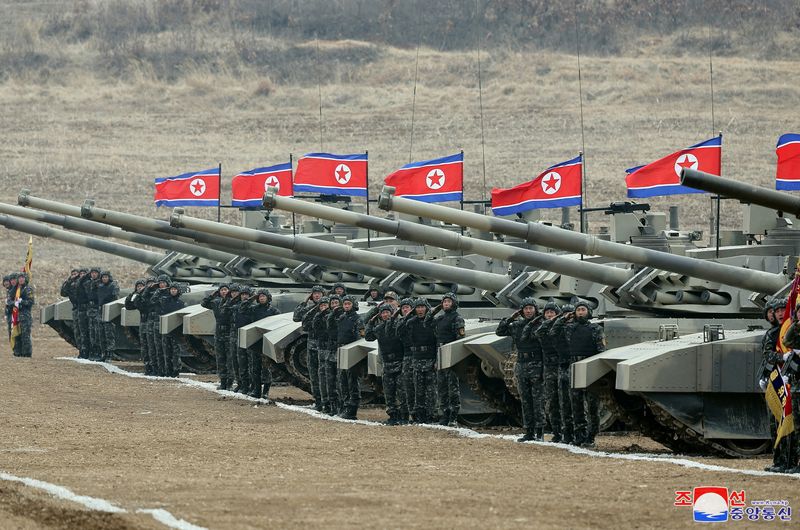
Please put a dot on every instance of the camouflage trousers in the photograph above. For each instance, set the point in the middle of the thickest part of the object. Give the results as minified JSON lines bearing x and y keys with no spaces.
{"x":585,"y":414}
{"x":351,"y":386}
{"x":328,"y":372}
{"x":239,"y":372}
{"x":158,"y":347}
{"x":565,"y":403}
{"x":82,"y":334}
{"x":171,"y":353}
{"x":259,"y":374}
{"x":530,"y":382}
{"x":95,"y":342}
{"x":407,"y":382}
{"x":393,"y":391}
{"x":448,"y":390}
{"x":145,"y":346}
{"x":312,"y":363}
{"x":424,"y":389}
{"x":108,"y":340}
{"x":552,"y":405}
{"x":221,"y":348}
{"x":76,"y":335}
{"x":23,"y":346}
{"x":243,"y":361}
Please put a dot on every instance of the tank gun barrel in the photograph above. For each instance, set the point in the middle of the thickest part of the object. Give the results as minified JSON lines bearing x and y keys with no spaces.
{"x":33,"y":228}
{"x":740,"y":190}
{"x":429,"y":235}
{"x":101,"y":230}
{"x":558,"y":238}
{"x":347,"y":254}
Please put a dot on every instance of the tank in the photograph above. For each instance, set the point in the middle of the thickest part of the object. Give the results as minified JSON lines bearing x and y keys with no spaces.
{"x":677,"y":389}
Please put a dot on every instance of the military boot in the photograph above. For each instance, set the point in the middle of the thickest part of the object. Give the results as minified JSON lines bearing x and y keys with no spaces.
{"x":529,"y":436}
{"x":453,"y":420}
{"x":350,"y":413}
{"x":445,"y":419}
{"x":403,"y":419}
{"x":392,"y":420}
{"x":255,"y":392}
{"x":539,"y":434}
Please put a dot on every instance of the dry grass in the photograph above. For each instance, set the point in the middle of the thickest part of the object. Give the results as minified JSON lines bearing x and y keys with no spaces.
{"x":73,"y":132}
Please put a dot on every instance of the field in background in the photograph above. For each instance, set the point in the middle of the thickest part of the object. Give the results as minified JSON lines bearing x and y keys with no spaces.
{"x":96,"y":104}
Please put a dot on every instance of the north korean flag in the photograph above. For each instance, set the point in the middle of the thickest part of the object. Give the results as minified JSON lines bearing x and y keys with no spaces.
{"x":200,"y":188}
{"x":332,"y":174}
{"x":248,"y":187}
{"x":788,"y":151}
{"x":663,"y":176}
{"x":556,"y":187}
{"x":438,"y":180}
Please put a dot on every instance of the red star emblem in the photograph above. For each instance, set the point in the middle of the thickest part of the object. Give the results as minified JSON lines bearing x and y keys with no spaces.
{"x":551,"y":182}
{"x":686,"y":163}
{"x":341,"y":174}
{"x":198,"y":187}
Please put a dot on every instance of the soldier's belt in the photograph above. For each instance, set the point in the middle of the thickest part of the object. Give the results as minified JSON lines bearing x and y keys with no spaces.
{"x":417,"y":349}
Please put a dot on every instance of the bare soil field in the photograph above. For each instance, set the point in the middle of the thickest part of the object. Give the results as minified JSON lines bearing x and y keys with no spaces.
{"x":221,"y":463}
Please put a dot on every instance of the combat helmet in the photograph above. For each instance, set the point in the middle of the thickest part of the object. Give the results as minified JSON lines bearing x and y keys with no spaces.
{"x":453,"y":297}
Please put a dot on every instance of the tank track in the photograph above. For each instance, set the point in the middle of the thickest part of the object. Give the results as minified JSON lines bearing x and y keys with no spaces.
{"x":64,"y":332}
{"x":472,"y":373}
{"x":509,"y":375}
{"x":294,"y":367}
{"x":132,"y":335}
{"x":205,"y":358}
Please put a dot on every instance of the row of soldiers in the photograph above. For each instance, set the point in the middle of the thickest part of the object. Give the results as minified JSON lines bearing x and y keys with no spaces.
{"x":154,"y":297}
{"x":88,"y":289}
{"x":546,"y":345}
{"x":235,"y":306}
{"x":408,"y":333}
{"x":786,"y":456}
{"x":23,"y":302}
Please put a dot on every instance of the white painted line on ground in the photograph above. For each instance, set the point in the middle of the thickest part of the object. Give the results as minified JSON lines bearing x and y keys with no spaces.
{"x":99,"y":505}
{"x":461,"y":431}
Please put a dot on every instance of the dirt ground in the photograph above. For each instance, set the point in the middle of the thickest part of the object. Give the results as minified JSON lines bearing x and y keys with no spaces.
{"x":221,"y":463}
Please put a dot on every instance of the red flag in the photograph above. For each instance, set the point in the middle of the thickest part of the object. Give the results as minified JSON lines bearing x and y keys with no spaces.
{"x":558,"y":186}
{"x":199,"y":188}
{"x":332,"y":174}
{"x":787,"y":176}
{"x":663,"y":177}
{"x":248,"y":187}
{"x":438,"y":180}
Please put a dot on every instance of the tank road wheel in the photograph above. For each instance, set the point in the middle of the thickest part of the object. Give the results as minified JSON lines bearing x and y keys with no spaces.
{"x":607,"y":417}
{"x":491,"y":389}
{"x":296,"y":364}
{"x":194,"y":355}
{"x":478,"y":421}
{"x":510,"y":376}
{"x":748,"y":448}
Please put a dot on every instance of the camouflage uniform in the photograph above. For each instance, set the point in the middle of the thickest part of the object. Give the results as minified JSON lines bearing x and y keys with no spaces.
{"x":407,"y":375}
{"x":171,"y":351}
{"x":551,"y":364}
{"x":89,"y":285}
{"x":423,"y":358}
{"x":349,"y":328}
{"x":239,"y":355}
{"x":23,"y":344}
{"x":155,"y":318}
{"x":68,"y":290}
{"x":326,"y":339}
{"x":448,"y":326}
{"x":144,"y":305}
{"x":131,"y":304}
{"x":312,"y":343}
{"x":260,"y":376}
{"x":390,"y":349}
{"x":106,"y":292}
{"x":584,"y":339}
{"x":529,"y":368}
{"x":215,"y":302}
{"x":559,"y":339}
{"x":790,"y":445}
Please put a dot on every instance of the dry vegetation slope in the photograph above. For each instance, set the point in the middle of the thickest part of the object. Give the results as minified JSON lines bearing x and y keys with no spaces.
{"x":100,"y":98}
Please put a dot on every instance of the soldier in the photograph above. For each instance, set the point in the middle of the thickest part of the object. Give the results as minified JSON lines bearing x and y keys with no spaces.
{"x":530,"y":365}
{"x":239,"y":319}
{"x":559,"y":341}
{"x":68,"y":291}
{"x":791,"y":374}
{"x":328,"y":362}
{"x":11,"y":295}
{"x":584,"y":339}
{"x":7,"y":286}
{"x":381,"y":327}
{"x":551,"y":365}
{"x":772,"y":358}
{"x":349,"y":328}
{"x":339,"y":289}
{"x":259,"y":374}
{"x":228,"y":312}
{"x":373,"y":295}
{"x":131,"y":302}
{"x":106,"y":292}
{"x":146,"y":311}
{"x":215,"y":302}
{"x":447,"y":327}
{"x":312,"y":344}
{"x":423,"y":352}
{"x":24,"y":304}
{"x":169,"y":303}
{"x":407,"y":374}
{"x":81,"y":294}
{"x":89,"y":286}
{"x":160,"y":290}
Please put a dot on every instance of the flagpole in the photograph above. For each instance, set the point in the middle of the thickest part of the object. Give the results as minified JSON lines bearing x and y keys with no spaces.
{"x":219,"y":193}
{"x":580,"y":217}
{"x":580,"y":106}
{"x":366,"y":153}
{"x":719,"y":197}
{"x":291,"y":172}
{"x":319,"y":93}
{"x":480,"y":104}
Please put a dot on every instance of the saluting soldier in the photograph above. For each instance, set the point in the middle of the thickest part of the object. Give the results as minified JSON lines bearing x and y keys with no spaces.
{"x":448,"y":327}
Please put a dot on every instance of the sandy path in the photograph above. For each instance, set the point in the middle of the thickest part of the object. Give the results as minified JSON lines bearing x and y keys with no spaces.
{"x":225,"y":463}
